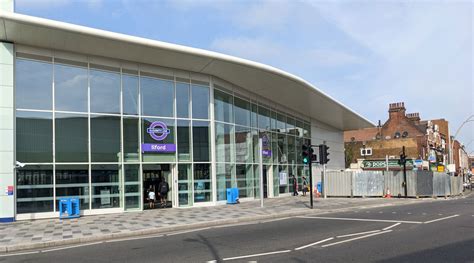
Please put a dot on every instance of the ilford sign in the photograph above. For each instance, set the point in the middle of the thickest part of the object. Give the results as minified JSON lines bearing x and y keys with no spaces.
{"x":158,"y":131}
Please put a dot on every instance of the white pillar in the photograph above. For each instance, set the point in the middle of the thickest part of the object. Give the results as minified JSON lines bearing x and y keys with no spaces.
{"x":7,"y":134}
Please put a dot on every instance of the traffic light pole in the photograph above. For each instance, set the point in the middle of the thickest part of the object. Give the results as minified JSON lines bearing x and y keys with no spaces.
{"x":323,"y":181}
{"x":405,"y":172}
{"x":310,"y":184}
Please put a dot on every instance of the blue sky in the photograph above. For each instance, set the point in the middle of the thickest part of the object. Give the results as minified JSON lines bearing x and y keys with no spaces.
{"x":365,"y":54}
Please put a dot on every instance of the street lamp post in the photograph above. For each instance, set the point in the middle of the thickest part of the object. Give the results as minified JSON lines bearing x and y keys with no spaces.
{"x":451,"y":143}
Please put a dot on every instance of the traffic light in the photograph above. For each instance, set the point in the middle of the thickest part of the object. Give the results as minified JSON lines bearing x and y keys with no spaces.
{"x":323,"y":154}
{"x":307,"y":153}
{"x":403,"y":159}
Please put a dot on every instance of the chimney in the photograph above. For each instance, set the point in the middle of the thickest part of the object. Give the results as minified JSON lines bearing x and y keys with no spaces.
{"x":396,"y":110}
{"x":414,"y":117}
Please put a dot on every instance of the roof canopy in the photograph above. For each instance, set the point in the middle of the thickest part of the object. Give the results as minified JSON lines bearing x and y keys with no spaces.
{"x":263,"y":80}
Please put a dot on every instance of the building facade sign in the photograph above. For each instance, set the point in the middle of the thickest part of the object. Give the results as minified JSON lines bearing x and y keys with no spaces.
{"x":382,"y":164}
{"x":158,"y":131}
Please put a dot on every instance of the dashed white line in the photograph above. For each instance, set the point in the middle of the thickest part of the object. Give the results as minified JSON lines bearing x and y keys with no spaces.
{"x":315,"y":243}
{"x":257,"y":255}
{"x":131,"y":238}
{"x":358,"y":234}
{"x":356,"y":238}
{"x":439,"y":219}
{"x":392,"y":226}
{"x":68,"y":247}
{"x":361,"y":219}
{"x":19,"y":254}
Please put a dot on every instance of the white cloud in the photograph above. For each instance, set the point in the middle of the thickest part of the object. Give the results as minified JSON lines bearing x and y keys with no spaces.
{"x":47,"y":4}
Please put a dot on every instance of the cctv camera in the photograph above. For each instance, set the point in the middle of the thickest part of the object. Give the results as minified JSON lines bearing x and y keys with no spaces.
{"x":19,"y":165}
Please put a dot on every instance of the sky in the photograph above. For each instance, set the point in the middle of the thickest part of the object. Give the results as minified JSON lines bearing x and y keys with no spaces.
{"x":365,"y":54}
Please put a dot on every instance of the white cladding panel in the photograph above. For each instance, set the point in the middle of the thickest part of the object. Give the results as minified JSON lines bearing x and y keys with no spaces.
{"x":334,"y":138}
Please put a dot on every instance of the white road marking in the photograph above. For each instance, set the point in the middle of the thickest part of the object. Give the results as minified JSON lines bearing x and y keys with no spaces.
{"x":387,"y":228}
{"x":315,"y":243}
{"x":257,"y":255}
{"x":356,"y":238}
{"x":273,"y":220}
{"x":380,"y":212}
{"x":19,"y":254}
{"x":131,"y":238}
{"x":361,"y":219}
{"x":439,"y":219}
{"x":409,"y":213}
{"x":187,"y":231}
{"x":358,"y":234}
{"x":394,"y":212}
{"x":68,"y":247}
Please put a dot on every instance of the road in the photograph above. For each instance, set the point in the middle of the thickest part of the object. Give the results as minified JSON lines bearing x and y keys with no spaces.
{"x":439,"y":231}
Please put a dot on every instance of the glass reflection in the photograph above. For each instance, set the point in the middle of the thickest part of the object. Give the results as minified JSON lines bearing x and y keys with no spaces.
{"x":105,"y":92}
{"x":157,"y":97}
{"x":33,"y":84}
{"x":34,"y":137}
{"x":200,"y":102}
{"x":70,"y":84}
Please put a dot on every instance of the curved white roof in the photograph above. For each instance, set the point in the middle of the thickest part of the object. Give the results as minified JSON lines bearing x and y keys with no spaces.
{"x":266,"y":81}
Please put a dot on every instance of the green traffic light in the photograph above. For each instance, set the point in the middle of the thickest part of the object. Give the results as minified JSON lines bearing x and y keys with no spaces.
{"x":305,"y":160}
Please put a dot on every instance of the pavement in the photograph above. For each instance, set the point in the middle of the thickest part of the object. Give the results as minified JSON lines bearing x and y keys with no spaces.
{"x":46,"y":233}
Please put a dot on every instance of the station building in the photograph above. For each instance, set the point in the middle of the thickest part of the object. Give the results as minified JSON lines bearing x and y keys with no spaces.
{"x":104,"y":116}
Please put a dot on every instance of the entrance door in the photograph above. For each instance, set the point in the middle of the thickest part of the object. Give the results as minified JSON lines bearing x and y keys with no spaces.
{"x":153,"y":176}
{"x":265,"y":184}
{"x":185,"y":185}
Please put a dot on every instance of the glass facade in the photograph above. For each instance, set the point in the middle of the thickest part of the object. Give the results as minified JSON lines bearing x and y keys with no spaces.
{"x":87,"y":131}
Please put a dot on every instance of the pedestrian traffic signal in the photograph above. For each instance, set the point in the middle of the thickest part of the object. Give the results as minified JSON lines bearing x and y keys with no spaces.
{"x":307,"y":153}
{"x":323,"y":154}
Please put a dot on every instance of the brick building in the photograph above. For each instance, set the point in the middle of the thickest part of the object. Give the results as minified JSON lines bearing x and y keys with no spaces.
{"x":425,"y":142}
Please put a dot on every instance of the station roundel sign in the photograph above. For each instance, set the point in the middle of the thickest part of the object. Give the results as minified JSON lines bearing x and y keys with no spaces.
{"x":158,"y":130}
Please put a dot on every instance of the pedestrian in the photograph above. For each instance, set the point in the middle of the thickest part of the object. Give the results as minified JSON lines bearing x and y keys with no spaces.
{"x":151,"y":198}
{"x":305,"y":186}
{"x":295,"y":186}
{"x":164,"y":189}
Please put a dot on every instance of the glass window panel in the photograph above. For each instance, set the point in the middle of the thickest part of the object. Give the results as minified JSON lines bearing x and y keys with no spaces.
{"x":283,"y":176}
{"x":182,"y":100}
{"x":184,"y":140}
{"x":34,"y":137}
{"x":200,"y":102}
{"x":256,"y":182}
{"x":73,"y":181}
{"x":299,"y":128}
{"x":130,"y":94}
{"x":105,"y":138}
{"x":263,"y":118}
{"x":291,"y":149}
{"x":245,"y":180}
{"x":255,"y":147}
{"x":157,"y":97}
{"x":290,"y":125}
{"x":299,"y":155}
{"x":242,"y":111}
{"x":34,"y":184}
{"x":131,"y":147}
{"x":105,"y":92}
{"x":243,"y":145}
{"x":225,"y":176}
{"x":71,"y":137}
{"x":70,"y":84}
{"x":169,"y":156}
{"x":254,"y":116}
{"x":33,"y":85}
{"x":275,"y":150}
{"x":223,"y":106}
{"x":202,"y":183}
{"x":132,"y":186}
{"x":201,"y":141}
{"x":185,"y":187}
{"x":282,"y":148}
{"x":307,"y":130}
{"x":224,"y":142}
{"x":274,"y":121}
{"x":281,"y":122}
{"x":105,"y":182}
{"x":276,"y":181}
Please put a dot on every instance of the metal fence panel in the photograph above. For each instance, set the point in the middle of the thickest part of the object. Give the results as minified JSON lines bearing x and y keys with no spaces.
{"x":339,"y":183}
{"x":441,"y":184}
{"x":456,"y":185}
{"x":424,"y":183}
{"x":393,"y":182}
{"x":411,"y":183}
{"x":368,"y":183}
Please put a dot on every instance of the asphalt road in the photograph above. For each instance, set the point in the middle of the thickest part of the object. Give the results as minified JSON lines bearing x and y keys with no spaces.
{"x":439,"y":231}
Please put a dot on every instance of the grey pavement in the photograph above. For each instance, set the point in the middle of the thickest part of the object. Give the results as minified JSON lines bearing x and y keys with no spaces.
{"x":34,"y":234}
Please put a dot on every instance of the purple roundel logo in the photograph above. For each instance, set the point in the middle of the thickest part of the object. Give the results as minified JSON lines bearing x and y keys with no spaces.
{"x":158,"y":130}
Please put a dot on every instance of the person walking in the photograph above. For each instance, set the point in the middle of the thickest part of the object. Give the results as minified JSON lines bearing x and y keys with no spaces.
{"x":151,"y":198}
{"x":164,"y":189}
{"x":295,"y":186}
{"x":305,"y":186}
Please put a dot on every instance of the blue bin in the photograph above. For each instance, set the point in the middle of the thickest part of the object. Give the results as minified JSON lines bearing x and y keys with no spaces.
{"x":319,"y":187}
{"x":69,"y":208}
{"x":232,"y":195}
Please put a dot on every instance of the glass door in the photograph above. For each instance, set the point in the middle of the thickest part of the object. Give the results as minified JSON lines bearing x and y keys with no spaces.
{"x":185,"y":185}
